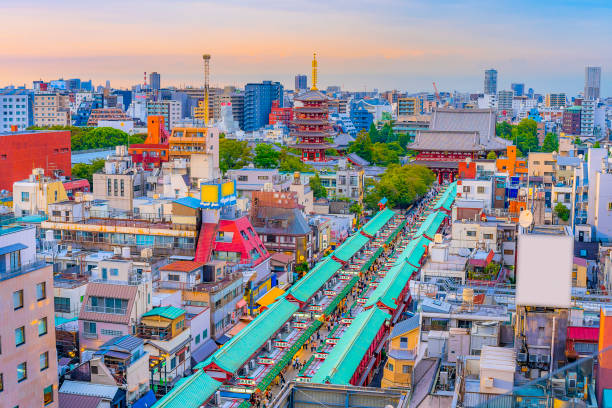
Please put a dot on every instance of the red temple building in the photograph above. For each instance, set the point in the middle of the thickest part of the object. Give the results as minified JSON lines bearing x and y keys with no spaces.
{"x":455,"y":135}
{"x":311,"y":122}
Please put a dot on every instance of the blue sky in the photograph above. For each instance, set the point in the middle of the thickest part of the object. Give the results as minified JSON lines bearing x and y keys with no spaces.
{"x":381,"y":44}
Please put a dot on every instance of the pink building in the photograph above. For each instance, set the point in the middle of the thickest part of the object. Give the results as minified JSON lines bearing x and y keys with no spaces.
{"x":28,"y":359}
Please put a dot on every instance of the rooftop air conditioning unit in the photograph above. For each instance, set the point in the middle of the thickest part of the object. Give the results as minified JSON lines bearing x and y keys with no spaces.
{"x":117,"y":250}
{"x":533,"y":358}
{"x":521,"y":357}
{"x":252,"y":365}
{"x":268,"y":345}
{"x":287,"y":327}
{"x":217,"y":398}
{"x":243,"y":371}
{"x":544,"y":358}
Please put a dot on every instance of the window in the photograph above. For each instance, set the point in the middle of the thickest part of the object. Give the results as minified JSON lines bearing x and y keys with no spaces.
{"x":1,"y":383}
{"x":15,"y":260}
{"x":175,"y":278}
{"x":94,"y":369}
{"x":18,"y":299}
{"x":263,"y":177}
{"x":487,"y":236}
{"x":44,"y":361}
{"x":389,"y":366}
{"x":108,"y":332}
{"x":205,"y":334}
{"x":114,"y":272}
{"x":122,"y":188}
{"x":25,"y":196}
{"x":19,"y":336}
{"x":22,"y":372}
{"x":48,"y":395}
{"x":197,"y":339}
{"x":470,"y":233}
{"x":610,"y":206}
{"x":42,"y":326}
{"x":243,"y":178}
{"x":90,"y":327}
{"x":403,"y":342}
{"x":173,"y":363}
{"x":466,"y":189}
{"x":41,"y":291}
{"x":508,"y":252}
{"x":480,"y":190}
{"x":62,"y":305}
{"x":108,"y":187}
{"x":406,"y":369}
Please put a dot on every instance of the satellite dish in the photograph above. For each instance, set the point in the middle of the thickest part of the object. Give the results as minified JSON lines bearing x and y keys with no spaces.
{"x":526,"y":219}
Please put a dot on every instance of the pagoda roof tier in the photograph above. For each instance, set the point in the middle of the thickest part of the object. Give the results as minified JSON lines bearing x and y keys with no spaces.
{"x":309,"y":109}
{"x":311,"y":133}
{"x":446,"y":141}
{"x":310,"y":122}
{"x":311,"y":96}
{"x":313,"y":146}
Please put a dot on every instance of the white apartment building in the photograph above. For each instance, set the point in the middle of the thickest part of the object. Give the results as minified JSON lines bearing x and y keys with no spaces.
{"x":51,"y":109}
{"x":15,"y":109}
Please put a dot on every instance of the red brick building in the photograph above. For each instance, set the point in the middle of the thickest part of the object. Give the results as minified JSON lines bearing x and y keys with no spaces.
{"x":26,"y":150}
{"x":280,"y":115}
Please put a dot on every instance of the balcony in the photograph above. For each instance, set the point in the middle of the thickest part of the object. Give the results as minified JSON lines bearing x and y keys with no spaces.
{"x":23,"y":269}
{"x":106,"y":310}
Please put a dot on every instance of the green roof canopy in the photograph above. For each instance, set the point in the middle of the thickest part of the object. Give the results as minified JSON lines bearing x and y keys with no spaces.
{"x":391,"y":285}
{"x":351,"y":246}
{"x":431,"y":225}
{"x":243,"y":345}
{"x":342,"y":362}
{"x":189,"y":392}
{"x":378,"y":221}
{"x":168,"y":312}
{"x":306,"y":287}
{"x":447,"y":198}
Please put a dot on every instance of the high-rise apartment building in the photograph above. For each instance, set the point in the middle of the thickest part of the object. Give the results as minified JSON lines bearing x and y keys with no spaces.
{"x":571,"y":120}
{"x":490,"y":82}
{"x":155,"y":81}
{"x":258,"y":103}
{"x":170,"y":110}
{"x":51,"y":109}
{"x":301,"y":82}
{"x":409,"y":107}
{"x":518,"y":89}
{"x":555,"y":100}
{"x":592,"y":81}
{"x":504,"y":101}
{"x":15,"y":109}
{"x":28,"y":358}
{"x":587,"y":117}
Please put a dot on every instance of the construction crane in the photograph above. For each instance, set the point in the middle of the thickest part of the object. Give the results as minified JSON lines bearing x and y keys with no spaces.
{"x":436,"y":93}
{"x":206,"y":58}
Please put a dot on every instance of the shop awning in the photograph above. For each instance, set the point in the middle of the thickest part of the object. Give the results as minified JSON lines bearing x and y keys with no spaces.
{"x":270,"y":296}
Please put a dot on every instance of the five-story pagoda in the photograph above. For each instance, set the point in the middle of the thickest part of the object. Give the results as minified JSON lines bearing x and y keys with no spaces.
{"x":310,"y":125}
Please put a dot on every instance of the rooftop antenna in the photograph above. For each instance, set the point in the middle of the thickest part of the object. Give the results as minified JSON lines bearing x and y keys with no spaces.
{"x":206,"y":58}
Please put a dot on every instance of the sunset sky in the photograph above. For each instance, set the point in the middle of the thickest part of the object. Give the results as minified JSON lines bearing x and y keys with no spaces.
{"x":385,"y":44}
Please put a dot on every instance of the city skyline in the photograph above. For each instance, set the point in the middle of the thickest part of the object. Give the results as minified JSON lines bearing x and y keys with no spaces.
{"x":407,"y":47}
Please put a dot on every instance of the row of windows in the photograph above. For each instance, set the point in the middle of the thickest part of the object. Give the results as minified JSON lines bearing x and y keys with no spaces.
{"x":41,"y":293}
{"x":22,"y":375}
{"x":15,"y":99}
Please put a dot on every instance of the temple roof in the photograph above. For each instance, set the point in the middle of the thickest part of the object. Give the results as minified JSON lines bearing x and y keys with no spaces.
{"x":479,"y":120}
{"x":311,"y":96}
{"x":439,"y":140}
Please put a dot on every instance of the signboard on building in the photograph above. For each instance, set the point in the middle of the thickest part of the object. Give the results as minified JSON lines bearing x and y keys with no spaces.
{"x":215,"y":196}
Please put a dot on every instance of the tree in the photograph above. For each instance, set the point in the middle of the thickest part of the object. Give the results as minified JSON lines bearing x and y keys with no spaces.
{"x":596,"y":145}
{"x":318,"y":191}
{"x":577,"y":141}
{"x":291,"y":163}
{"x":86,"y":171}
{"x":362,"y":146}
{"x":491,"y":270}
{"x":504,"y":130}
{"x":266,"y":157}
{"x":562,"y":212}
{"x":401,"y":185}
{"x":386,"y":153}
{"x":233,"y":154}
{"x":491,"y":155}
{"x":550,"y":143}
{"x":356,"y":209}
{"x":373,"y":133}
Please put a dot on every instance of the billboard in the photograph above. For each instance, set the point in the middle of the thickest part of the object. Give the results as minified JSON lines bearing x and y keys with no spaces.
{"x":217,"y":195}
{"x":544,"y":270}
